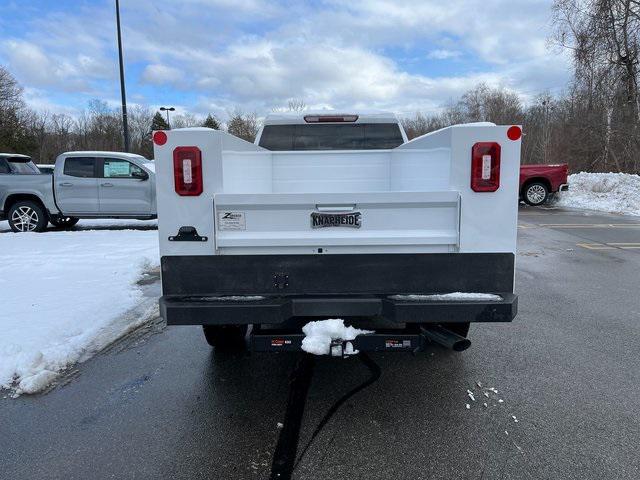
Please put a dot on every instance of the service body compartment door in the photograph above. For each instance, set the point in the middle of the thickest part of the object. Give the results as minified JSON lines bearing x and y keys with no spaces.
{"x":372,"y":222}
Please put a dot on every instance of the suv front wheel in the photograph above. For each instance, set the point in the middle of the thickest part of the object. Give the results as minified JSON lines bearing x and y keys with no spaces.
{"x":27,"y":216}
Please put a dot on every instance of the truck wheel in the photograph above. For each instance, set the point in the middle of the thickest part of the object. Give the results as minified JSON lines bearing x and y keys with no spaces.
{"x":64,"y":222}
{"x":225,"y":337}
{"x":536,"y":193}
{"x":27,"y":216}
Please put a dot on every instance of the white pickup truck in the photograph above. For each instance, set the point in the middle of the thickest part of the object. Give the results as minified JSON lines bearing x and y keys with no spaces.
{"x":338,"y":216}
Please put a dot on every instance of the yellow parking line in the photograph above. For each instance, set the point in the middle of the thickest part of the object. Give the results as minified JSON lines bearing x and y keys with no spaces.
{"x":590,"y":225}
{"x":625,"y":245}
{"x":595,"y":246}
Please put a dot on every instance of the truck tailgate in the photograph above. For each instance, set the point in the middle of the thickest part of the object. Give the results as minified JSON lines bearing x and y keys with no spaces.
{"x":392,"y":221}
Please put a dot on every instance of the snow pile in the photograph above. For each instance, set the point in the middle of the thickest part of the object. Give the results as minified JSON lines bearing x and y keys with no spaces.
{"x":606,"y":192}
{"x":64,"y":296}
{"x":97,"y":223}
{"x":450,"y":297}
{"x":318,"y":336}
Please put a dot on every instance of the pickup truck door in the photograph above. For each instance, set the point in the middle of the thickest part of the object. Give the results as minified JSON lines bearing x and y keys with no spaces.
{"x":124,"y":189}
{"x":76,"y":186}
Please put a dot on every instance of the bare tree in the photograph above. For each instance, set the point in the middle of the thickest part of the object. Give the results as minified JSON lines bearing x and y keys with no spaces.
{"x":185,"y":120}
{"x":604,"y":38}
{"x":296,"y":105}
{"x":10,"y":90}
{"x":420,"y":124}
{"x":243,"y":126}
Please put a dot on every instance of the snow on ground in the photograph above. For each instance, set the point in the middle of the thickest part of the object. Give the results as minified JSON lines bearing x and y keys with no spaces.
{"x":450,"y":297}
{"x":66,"y":295}
{"x":99,"y":223}
{"x":605,"y":192}
{"x":318,"y":336}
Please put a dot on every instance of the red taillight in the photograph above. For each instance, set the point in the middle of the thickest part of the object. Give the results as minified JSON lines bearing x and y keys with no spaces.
{"x":485,"y":167}
{"x":187,"y":171}
{"x":159,"y":137}
{"x":330,"y":118}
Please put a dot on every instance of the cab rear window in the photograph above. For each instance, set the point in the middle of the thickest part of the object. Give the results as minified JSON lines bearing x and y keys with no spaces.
{"x":361,"y":136}
{"x":19,"y":165}
{"x":83,"y":167}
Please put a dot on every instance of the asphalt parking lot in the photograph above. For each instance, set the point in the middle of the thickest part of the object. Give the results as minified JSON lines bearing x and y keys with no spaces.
{"x":562,"y":385}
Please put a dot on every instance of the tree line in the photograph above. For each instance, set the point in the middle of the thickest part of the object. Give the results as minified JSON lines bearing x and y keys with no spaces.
{"x":44,"y":135}
{"x":594,"y":125}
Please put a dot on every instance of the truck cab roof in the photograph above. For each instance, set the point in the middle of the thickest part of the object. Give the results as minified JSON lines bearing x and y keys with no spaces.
{"x":15,"y":156}
{"x":98,"y":153}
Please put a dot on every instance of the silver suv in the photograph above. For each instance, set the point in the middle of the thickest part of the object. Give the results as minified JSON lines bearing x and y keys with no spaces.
{"x":88,"y":184}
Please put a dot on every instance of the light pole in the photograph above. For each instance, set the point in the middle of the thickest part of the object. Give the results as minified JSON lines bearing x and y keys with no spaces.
{"x":167,"y":109}
{"x":125,"y":125}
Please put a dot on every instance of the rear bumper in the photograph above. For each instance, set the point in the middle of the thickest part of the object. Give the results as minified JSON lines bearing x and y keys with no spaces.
{"x":178,"y":310}
{"x":350,"y":285}
{"x":564,"y":187}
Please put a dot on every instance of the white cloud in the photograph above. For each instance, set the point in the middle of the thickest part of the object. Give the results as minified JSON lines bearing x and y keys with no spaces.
{"x":443,"y":54}
{"x":29,"y":60}
{"x":161,"y":74}
{"x":258,"y":54}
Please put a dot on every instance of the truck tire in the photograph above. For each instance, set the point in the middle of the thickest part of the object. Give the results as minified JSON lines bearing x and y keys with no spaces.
{"x":535,"y":193}
{"x":225,"y":337}
{"x":27,"y":216}
{"x":64,"y":222}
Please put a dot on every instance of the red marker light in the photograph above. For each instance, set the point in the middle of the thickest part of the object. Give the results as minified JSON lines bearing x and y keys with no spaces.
{"x":159,"y":138}
{"x":187,"y":171}
{"x":485,"y":167}
{"x":514,"y":133}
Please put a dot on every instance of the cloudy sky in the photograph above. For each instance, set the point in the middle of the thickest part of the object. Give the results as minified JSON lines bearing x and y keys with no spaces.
{"x":213,"y":55}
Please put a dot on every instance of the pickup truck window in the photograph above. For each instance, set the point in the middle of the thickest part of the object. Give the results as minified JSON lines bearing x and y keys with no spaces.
{"x":4,"y":166}
{"x":116,"y":168}
{"x":21,"y":166}
{"x":84,"y":167}
{"x":361,"y":136}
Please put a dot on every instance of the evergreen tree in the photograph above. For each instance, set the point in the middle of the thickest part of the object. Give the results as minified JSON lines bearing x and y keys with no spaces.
{"x":243,"y":126}
{"x":211,"y":122}
{"x":159,"y":123}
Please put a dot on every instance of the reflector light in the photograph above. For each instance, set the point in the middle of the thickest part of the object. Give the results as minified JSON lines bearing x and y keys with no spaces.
{"x":514,"y":133}
{"x":159,"y":138}
{"x":485,"y":167}
{"x":330,"y":118}
{"x":187,"y":171}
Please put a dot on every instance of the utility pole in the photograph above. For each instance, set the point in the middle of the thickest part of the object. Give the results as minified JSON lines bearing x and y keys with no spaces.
{"x":125,"y":125}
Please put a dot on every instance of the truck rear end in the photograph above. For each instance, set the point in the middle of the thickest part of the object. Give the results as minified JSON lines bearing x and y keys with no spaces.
{"x":338,"y":216}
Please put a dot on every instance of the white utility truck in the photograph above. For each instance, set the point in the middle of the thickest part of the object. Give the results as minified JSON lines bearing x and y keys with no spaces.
{"x":338,"y":216}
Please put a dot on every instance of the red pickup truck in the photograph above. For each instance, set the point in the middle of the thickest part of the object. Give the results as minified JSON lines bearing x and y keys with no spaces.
{"x":537,"y":182}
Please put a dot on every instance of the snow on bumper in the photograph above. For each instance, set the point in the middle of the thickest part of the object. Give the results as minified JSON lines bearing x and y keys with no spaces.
{"x":338,"y":286}
{"x":180,"y":310}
